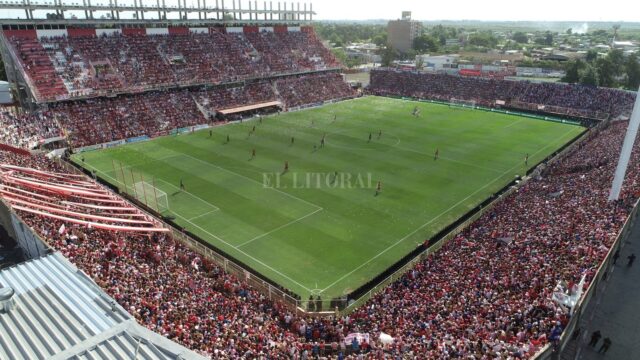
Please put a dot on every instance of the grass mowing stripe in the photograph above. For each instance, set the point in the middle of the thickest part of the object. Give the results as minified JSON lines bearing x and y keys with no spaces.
{"x":285,"y":235}
{"x":437,"y":217}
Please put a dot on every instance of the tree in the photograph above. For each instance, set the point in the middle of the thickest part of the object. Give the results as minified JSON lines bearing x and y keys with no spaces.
{"x":336,"y":40}
{"x":617,"y":59}
{"x":388,"y":55}
{"x":606,"y":72}
{"x":569,"y":31}
{"x":484,"y":38}
{"x":589,"y":76}
{"x":591,"y":56}
{"x":548,"y":38}
{"x":380,"y":39}
{"x":520,"y":37}
{"x":632,"y":68}
{"x":573,"y":69}
{"x":424,"y":43}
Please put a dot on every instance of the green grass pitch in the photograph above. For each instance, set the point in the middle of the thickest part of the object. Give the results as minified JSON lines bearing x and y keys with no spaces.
{"x":315,"y":234}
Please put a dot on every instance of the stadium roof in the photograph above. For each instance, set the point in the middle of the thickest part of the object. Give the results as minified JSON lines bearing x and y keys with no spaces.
{"x":57,"y":312}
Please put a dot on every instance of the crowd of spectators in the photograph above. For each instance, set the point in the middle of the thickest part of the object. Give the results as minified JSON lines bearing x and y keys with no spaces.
{"x":234,"y":97}
{"x":26,"y":130}
{"x":39,"y":68}
{"x":313,"y":89}
{"x":101,"y":120}
{"x":477,"y":297}
{"x":574,"y":100}
{"x":94,"y":65}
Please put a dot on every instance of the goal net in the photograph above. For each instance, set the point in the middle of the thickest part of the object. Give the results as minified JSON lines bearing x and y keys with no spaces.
{"x":151,"y":196}
{"x":462,"y":104}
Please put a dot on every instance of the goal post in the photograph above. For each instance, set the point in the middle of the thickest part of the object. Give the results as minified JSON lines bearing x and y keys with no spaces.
{"x":150,"y":195}
{"x":462,"y":104}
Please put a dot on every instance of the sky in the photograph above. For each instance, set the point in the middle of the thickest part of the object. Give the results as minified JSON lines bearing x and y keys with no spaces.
{"x":502,"y":10}
{"x":537,"y":10}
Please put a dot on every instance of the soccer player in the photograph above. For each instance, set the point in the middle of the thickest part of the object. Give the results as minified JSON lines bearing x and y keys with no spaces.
{"x":228,"y":138}
{"x":379,"y":187}
{"x":254,"y":129}
{"x":526,"y":159}
{"x":181,"y":184}
{"x":210,"y":133}
{"x":82,"y":159}
{"x":286,"y":166}
{"x":437,"y":154}
{"x":260,"y":118}
{"x":292,"y":140}
{"x":253,"y":153}
{"x":335,"y":117}
{"x":379,"y":134}
{"x":369,"y":137}
{"x":335,"y":176}
{"x":322,"y":142}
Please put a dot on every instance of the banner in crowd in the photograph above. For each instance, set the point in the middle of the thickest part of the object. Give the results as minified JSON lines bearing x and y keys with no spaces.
{"x":138,"y":139}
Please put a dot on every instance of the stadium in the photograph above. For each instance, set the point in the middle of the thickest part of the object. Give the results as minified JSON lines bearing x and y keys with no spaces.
{"x":211,"y":186}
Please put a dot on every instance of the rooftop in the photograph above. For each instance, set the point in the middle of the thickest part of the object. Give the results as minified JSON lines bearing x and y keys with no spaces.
{"x":58,"y":312}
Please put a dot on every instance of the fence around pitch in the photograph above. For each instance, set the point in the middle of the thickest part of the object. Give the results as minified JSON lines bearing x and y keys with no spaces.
{"x":264,"y":287}
{"x":354,"y":304}
{"x":301,"y":305}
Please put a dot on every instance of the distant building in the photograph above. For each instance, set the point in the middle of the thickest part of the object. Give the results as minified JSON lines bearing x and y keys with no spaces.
{"x":452,"y":42}
{"x":439,"y":62}
{"x":400,"y":33}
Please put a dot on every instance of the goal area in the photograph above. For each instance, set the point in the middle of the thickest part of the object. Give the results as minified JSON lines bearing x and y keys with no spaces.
{"x":151,"y":196}
{"x":462,"y":104}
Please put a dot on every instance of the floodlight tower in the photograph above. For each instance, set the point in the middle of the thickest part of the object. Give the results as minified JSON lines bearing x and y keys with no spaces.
{"x":627,"y":147}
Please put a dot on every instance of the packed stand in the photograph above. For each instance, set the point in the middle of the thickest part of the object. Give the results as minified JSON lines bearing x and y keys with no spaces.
{"x":234,"y":97}
{"x":475,"y":297}
{"x":102,"y":120}
{"x":313,"y":89}
{"x":39,"y":68}
{"x":573,"y":100}
{"x":27,"y":130}
{"x":116,"y":63}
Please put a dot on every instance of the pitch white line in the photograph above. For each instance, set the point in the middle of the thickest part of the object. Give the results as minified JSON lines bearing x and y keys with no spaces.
{"x":437,"y":217}
{"x":279,"y":227}
{"x":514,"y":123}
{"x":194,"y":196}
{"x":250,"y":179}
{"x":449,"y":159}
{"x":201,"y":215}
{"x":222,"y":240}
{"x":244,"y":253}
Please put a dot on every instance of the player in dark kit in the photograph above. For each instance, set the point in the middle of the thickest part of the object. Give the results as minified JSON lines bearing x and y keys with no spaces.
{"x":181,"y":184}
{"x":253,"y":153}
{"x":210,"y":133}
{"x":286,"y":166}
{"x":379,"y":187}
{"x":369,"y":137}
{"x":228,"y":138}
{"x":526,"y":159}
{"x":322,"y":140}
{"x":437,"y":154}
{"x":292,"y":140}
{"x":379,"y":134}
